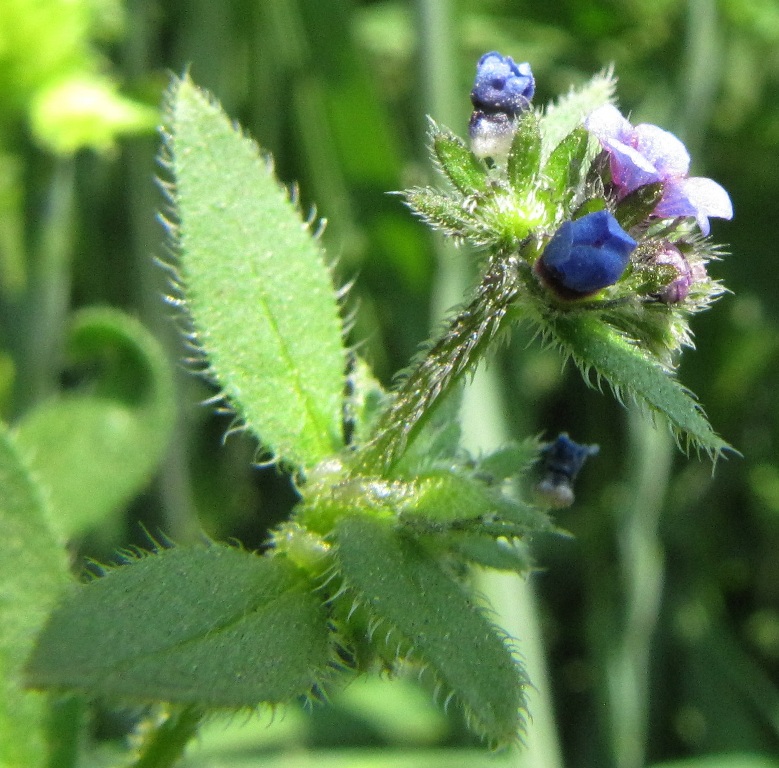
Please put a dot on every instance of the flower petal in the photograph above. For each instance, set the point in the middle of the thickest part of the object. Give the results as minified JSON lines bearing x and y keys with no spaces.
{"x":697,"y":196}
{"x":629,"y":168}
{"x":663,"y":150}
{"x":606,"y":122}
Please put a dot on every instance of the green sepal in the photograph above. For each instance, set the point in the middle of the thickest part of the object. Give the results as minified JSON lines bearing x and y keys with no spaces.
{"x":201,"y":625}
{"x":563,"y":170}
{"x":487,"y":551}
{"x":596,"y":346}
{"x":509,"y":460}
{"x":638,"y":205}
{"x":524,"y":160}
{"x":417,"y":610}
{"x":440,"y":211}
{"x":458,"y":163}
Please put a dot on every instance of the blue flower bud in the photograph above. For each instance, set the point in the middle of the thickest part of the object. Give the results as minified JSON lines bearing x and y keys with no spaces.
{"x":560,"y":462}
{"x":502,"y":85}
{"x":585,"y":255}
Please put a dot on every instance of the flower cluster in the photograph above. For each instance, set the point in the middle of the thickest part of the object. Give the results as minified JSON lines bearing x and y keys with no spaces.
{"x":622,"y":232}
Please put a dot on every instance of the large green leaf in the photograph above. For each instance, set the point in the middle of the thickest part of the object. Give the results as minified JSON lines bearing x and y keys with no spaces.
{"x":97,"y":446}
{"x":420,"y":609}
{"x":33,"y":570}
{"x":214,"y":626}
{"x":255,"y":284}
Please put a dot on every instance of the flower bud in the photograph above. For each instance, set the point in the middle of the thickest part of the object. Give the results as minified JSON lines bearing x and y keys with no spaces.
{"x":502,"y":85}
{"x":585,"y":255}
{"x":491,"y":133}
{"x":679,"y":287}
{"x":561,"y":461}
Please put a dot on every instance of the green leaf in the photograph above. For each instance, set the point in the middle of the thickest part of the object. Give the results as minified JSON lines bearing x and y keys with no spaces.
{"x":257,"y":289}
{"x":98,"y":446}
{"x":563,"y":169}
{"x":439,"y":211}
{"x":595,"y":346}
{"x":415,"y":604}
{"x":213,"y":626}
{"x":638,"y":205}
{"x":33,"y":570}
{"x":524,"y":160}
{"x":568,"y":112}
{"x":458,"y":163}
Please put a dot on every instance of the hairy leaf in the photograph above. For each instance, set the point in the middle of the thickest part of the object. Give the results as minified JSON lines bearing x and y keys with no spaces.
{"x":419,"y":607}
{"x":33,"y":570}
{"x":525,"y":154}
{"x":595,"y":346}
{"x":97,"y":446}
{"x":255,"y":284}
{"x":213,"y":626}
{"x":459,"y":164}
{"x":568,"y":112}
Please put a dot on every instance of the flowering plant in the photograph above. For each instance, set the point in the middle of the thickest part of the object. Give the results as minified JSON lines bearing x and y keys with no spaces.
{"x":589,"y":229}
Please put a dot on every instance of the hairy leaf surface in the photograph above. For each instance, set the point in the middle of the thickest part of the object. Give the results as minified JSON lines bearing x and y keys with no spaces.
{"x":213,"y":626}
{"x":33,"y":570}
{"x":421,"y":607}
{"x":255,"y":283}
{"x":596,"y":347}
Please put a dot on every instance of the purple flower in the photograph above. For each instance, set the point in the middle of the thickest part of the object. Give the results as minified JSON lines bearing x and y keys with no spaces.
{"x":502,"y":85}
{"x":645,"y":154}
{"x":585,"y":255}
{"x":679,"y":287}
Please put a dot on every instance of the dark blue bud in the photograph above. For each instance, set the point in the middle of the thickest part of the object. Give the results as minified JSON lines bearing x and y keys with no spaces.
{"x":560,"y":463}
{"x":585,"y":255}
{"x":502,"y":85}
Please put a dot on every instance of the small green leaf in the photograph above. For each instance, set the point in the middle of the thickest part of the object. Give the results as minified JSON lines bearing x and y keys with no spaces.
{"x":213,"y":626}
{"x":635,"y":207}
{"x":457,"y":161}
{"x":595,"y":346}
{"x":33,"y":571}
{"x":524,"y":160}
{"x":417,"y":605}
{"x":97,"y":446}
{"x":563,"y":169}
{"x":439,"y":211}
{"x":489,"y":552}
{"x":255,"y":283}
{"x":568,"y":112}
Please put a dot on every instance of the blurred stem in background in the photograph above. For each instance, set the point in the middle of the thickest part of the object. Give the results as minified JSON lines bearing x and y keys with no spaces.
{"x":45,"y":308}
{"x":483,"y":425}
{"x":627,"y":662}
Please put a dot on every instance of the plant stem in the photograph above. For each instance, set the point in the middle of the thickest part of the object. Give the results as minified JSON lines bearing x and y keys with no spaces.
{"x":483,"y":424}
{"x":456,"y":351}
{"x":166,"y":745}
{"x":49,"y":292}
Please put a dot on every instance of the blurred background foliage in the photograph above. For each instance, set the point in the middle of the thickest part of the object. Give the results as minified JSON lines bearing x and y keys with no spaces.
{"x":669,"y":566}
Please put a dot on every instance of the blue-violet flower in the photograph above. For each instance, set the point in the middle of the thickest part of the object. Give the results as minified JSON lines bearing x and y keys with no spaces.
{"x":645,"y":154}
{"x":679,"y":287}
{"x":502,"y":90}
{"x":585,"y":255}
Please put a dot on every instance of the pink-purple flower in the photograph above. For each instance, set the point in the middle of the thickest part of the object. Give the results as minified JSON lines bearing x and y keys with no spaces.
{"x":645,"y":154}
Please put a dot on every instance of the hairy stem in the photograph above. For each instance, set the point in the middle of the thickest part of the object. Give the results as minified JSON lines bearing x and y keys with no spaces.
{"x":457,"y":350}
{"x":168,"y":742}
